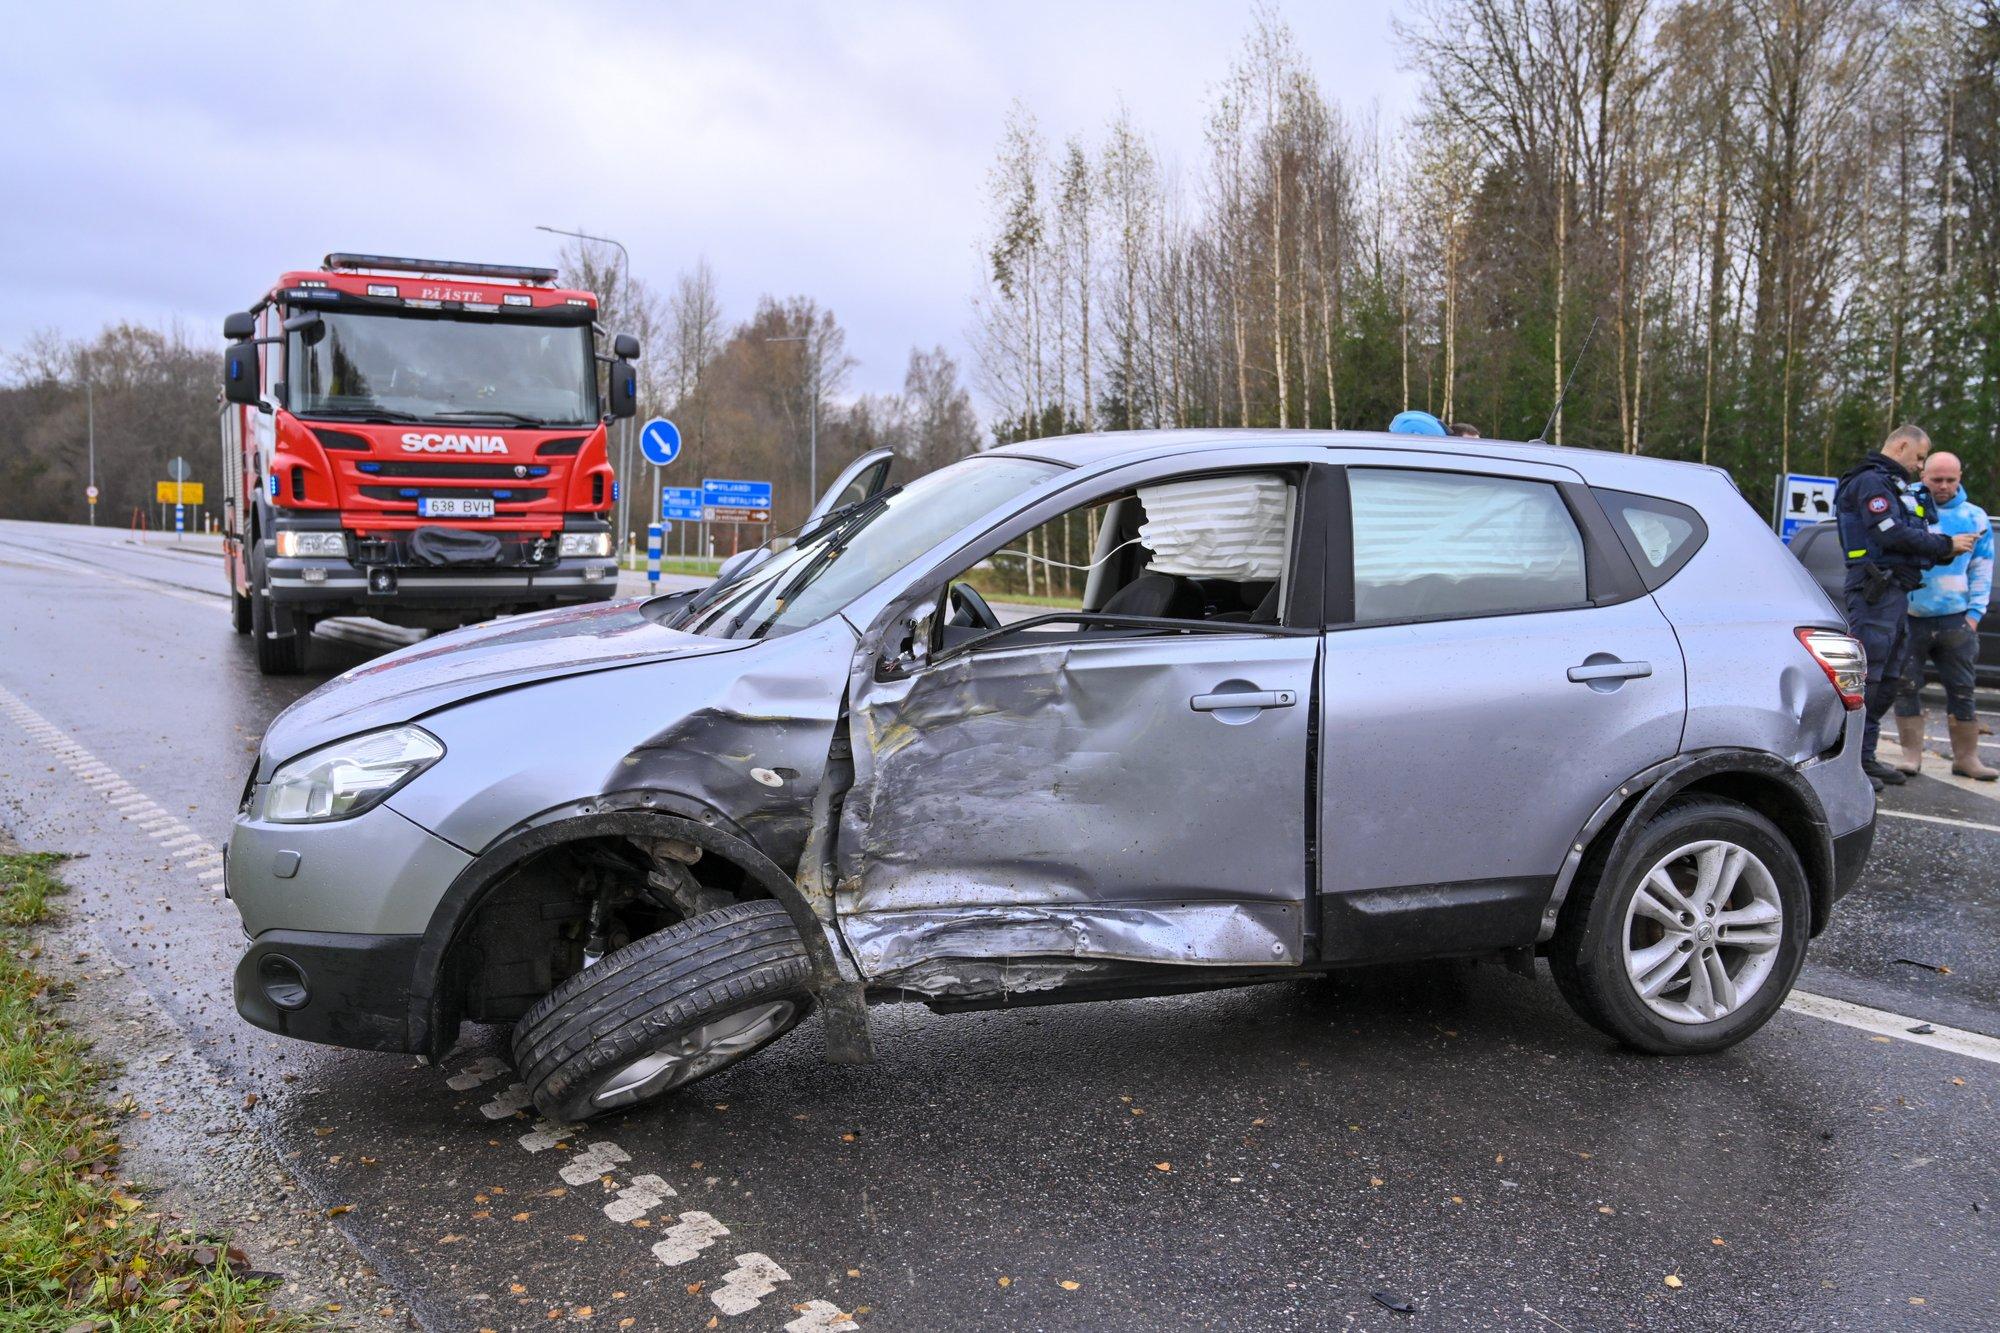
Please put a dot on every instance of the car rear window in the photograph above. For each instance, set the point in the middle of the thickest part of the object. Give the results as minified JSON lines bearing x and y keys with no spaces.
{"x":1439,"y":545}
{"x":1660,"y":535}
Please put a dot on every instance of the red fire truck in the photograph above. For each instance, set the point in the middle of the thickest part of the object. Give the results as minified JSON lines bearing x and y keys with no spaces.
{"x":420,"y":441}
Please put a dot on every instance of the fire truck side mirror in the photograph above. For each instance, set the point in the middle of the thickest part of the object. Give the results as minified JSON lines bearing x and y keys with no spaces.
{"x":624,"y":389}
{"x":240,"y":373}
{"x":239,"y":326}
{"x":625,"y":347}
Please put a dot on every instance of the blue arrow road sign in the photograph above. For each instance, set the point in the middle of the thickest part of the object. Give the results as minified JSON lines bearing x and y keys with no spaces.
{"x":681,"y":502}
{"x":736,"y":494}
{"x":660,"y":441}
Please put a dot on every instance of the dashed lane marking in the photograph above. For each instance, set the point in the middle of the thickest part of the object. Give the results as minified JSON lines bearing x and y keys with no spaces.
{"x":1882,"y":1023}
{"x":148,"y":815}
{"x":742,"y":1288}
{"x":1940,"y":819}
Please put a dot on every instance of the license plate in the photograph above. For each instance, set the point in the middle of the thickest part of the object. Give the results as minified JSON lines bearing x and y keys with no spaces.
{"x":454,"y":507}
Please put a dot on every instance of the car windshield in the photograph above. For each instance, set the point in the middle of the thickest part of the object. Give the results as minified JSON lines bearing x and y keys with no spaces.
{"x":427,"y":368}
{"x":855,"y":552}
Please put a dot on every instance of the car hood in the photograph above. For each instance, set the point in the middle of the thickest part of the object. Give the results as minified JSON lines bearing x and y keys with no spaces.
{"x":480,"y":660}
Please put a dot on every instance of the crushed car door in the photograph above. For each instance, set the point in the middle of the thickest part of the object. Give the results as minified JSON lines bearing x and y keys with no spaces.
{"x":1024,"y":815}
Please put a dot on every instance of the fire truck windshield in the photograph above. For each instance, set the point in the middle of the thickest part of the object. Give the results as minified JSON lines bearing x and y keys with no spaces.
{"x":353,"y":364}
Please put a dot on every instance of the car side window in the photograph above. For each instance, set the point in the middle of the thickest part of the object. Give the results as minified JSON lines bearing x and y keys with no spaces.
{"x":1438,"y":545}
{"x":1660,"y":535}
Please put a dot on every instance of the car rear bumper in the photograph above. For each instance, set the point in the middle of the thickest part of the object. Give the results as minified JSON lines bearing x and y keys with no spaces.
{"x":1850,"y":854}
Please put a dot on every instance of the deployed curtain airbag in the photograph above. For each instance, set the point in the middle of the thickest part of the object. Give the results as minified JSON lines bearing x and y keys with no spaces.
{"x":1217,"y":528}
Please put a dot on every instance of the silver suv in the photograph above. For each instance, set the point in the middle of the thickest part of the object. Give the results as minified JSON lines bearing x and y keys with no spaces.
{"x":1265,"y":704}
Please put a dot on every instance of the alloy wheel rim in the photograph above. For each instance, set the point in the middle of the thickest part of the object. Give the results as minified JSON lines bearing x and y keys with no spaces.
{"x":1702,"y":931}
{"x":688,"y":1055}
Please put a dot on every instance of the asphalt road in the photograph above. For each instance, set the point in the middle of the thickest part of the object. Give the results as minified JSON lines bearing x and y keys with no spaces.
{"x":1263,"y":1158}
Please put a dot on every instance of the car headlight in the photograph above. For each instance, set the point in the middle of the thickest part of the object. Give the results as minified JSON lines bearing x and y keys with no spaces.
{"x":292,"y":544}
{"x":341,"y":780}
{"x":586,"y":543}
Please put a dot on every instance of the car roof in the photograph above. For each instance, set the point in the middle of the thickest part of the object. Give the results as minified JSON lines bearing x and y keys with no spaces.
{"x":1599,"y":466}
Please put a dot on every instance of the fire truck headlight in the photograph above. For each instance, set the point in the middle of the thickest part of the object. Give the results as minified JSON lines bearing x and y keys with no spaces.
{"x":341,"y":780}
{"x":292,"y":544}
{"x":586,"y":543}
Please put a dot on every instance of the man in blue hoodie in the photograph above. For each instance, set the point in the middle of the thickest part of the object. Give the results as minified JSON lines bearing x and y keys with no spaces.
{"x":1944,"y":624}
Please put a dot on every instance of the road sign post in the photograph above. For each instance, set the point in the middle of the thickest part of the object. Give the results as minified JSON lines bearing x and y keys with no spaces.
{"x":653,"y":534}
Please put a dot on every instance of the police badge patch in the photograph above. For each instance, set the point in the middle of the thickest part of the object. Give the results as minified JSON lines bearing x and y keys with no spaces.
{"x":1878,"y":504}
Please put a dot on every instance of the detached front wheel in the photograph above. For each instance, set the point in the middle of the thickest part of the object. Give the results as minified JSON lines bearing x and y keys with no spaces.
{"x":664,"y":1011}
{"x":1693,"y":940}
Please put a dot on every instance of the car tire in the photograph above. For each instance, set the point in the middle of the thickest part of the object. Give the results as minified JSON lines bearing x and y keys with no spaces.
{"x":1612,"y":945}
{"x":281,"y":643}
{"x":664,"y":1011}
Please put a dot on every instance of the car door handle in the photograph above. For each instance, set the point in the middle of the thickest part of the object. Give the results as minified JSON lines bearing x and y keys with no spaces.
{"x":1590,"y":671}
{"x":1214,"y":703}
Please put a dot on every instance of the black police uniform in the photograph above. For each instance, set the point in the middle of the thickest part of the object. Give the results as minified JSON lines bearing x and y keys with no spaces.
{"x":1885,"y":535}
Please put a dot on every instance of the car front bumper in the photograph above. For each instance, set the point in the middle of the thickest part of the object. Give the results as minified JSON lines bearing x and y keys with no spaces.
{"x":336,"y":914}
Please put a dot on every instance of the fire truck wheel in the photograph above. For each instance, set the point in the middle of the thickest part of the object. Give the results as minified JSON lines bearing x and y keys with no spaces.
{"x":281,"y":646}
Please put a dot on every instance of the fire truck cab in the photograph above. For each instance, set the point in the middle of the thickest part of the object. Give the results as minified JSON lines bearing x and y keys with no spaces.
{"x":418,"y":441}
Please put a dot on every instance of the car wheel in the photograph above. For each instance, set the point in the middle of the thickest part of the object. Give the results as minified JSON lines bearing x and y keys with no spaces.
{"x":1692,"y":941}
{"x":664,"y":1011}
{"x":281,"y":644}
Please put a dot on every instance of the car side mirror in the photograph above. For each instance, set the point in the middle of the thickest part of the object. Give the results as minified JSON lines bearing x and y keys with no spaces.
{"x":240,"y":374}
{"x":624,"y":389}
{"x":625,"y":347}
{"x":907,"y":644}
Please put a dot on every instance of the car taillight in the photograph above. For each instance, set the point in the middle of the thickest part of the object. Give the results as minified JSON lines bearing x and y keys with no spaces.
{"x":1843,"y":659}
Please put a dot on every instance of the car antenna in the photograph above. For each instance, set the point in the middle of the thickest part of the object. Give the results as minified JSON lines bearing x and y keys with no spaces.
{"x":1563,"y":397}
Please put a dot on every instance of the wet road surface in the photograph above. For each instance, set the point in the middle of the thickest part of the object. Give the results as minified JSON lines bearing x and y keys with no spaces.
{"x":1263,"y":1158}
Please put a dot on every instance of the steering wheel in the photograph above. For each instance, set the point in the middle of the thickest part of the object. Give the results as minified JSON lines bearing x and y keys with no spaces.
{"x":969,"y":610}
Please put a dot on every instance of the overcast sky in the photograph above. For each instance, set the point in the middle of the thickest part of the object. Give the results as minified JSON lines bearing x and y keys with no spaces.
{"x":159,"y":165}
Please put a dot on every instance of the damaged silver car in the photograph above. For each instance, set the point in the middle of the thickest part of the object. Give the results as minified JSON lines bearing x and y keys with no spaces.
{"x":1268,"y":704}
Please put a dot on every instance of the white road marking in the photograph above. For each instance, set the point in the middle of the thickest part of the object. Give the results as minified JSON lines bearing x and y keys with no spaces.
{"x":638,"y":1198}
{"x":743,"y":1286}
{"x":1940,"y":819}
{"x":514,"y":1097}
{"x":547,"y":1134}
{"x":596,"y":1159}
{"x":1882,"y":1023}
{"x":819,"y":1317}
{"x":150,"y":817}
{"x":476,"y":1073}
{"x":687,"y":1238}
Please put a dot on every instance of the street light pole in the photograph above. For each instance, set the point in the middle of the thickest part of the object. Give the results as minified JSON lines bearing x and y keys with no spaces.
{"x":625,"y":447}
{"x":812,"y":414}
{"x":90,"y":440}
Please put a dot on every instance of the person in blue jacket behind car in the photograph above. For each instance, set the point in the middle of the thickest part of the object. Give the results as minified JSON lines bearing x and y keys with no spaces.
{"x":1944,"y":623}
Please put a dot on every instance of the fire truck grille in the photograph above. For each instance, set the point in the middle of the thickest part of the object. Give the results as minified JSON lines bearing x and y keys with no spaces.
{"x":503,"y":495}
{"x":482,"y":471}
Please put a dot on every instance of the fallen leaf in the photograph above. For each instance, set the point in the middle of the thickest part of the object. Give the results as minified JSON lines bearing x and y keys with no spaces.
{"x":854,"y":1272}
{"x":1163,"y":1166}
{"x":339,"y":1208}
{"x":694,"y":1288}
{"x":627,"y":1322}
{"x":1717,"y":1240}
{"x":323,"y":1131}
{"x":1958,"y":1082}
{"x":516,"y":1288}
{"x":585,"y":1311}
{"x":522,"y":1217}
{"x":1456,"y":1199}
{"x":1606,"y":1209}
{"x":1375,"y":1181}
{"x":451,"y":1239}
{"x":1006,"y":1281}
{"x":1068,"y":1285}
{"x":1673,"y":1281}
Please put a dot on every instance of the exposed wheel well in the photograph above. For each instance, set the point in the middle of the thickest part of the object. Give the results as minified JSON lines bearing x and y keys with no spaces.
{"x":545,"y":914}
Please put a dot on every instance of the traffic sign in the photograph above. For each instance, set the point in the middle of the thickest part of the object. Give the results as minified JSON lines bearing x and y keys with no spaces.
{"x":178,"y":469}
{"x":736,"y":494}
{"x":178,"y":492}
{"x":734,"y":514}
{"x":660,"y":441}
{"x":1801,"y":500}
{"x":681,"y":502}
{"x":90,"y":494}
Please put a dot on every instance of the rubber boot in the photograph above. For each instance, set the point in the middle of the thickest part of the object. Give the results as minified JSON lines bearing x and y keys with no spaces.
{"x":1965,"y":752}
{"x":1910,"y":734}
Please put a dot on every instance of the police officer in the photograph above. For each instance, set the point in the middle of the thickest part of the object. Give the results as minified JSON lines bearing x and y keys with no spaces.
{"x":1884,"y":529}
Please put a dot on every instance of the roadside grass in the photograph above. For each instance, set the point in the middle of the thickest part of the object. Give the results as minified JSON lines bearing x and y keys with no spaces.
{"x":77,"y":1249}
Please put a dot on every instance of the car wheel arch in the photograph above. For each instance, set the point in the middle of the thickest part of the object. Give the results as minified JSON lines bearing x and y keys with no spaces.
{"x":1752,"y":778}
{"x":640,"y":814}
